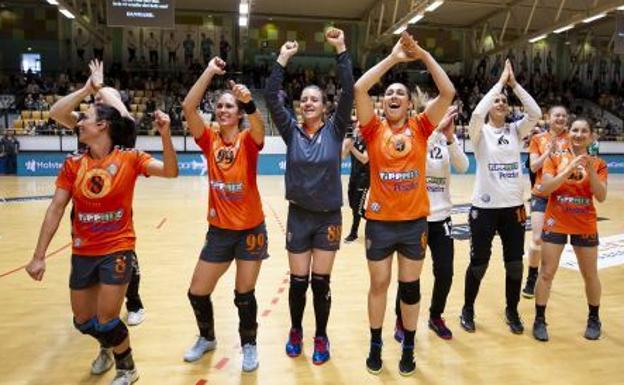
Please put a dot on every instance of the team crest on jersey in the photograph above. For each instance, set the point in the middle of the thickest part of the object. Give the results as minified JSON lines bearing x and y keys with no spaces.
{"x":112,"y":169}
{"x":77,"y":242}
{"x":486,"y":198}
{"x":96,"y":183}
{"x":212,"y":213}
{"x":398,"y":145}
{"x":550,"y":222}
{"x":375,"y":207}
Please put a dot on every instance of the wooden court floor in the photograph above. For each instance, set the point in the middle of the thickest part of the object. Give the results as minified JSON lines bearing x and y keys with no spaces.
{"x":40,"y":345}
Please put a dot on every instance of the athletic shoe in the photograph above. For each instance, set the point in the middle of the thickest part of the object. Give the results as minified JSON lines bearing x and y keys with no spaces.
{"x":514,"y":322}
{"x":125,"y":377}
{"x":374,"y":363}
{"x":439,"y":327}
{"x":529,"y":288}
{"x":407,"y":365}
{"x":593,"y":328}
{"x":399,"y":331}
{"x":201,"y":346}
{"x":250,"y":358}
{"x":102,"y":362}
{"x":295,"y":341}
{"x":350,"y":238}
{"x":466,"y":320}
{"x":321,"y":351}
{"x":136,"y":317}
{"x":540,"y":332}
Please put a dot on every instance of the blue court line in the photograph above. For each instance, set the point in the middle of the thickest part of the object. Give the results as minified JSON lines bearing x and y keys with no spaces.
{"x":26,"y":199}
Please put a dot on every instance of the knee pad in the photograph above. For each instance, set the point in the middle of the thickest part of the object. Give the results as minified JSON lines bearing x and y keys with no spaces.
{"x":299,"y":281}
{"x":320,"y":285}
{"x":409,"y":292}
{"x":478,"y":271}
{"x":247,"y":312}
{"x":111,"y":333}
{"x":245,"y":299}
{"x":514,"y":269}
{"x":87,"y":327}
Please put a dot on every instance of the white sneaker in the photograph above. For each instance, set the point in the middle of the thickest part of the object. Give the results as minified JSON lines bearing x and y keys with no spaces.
{"x":200,"y":347}
{"x":250,"y":358}
{"x":136,"y":317}
{"x":125,"y":377}
{"x":102,"y":362}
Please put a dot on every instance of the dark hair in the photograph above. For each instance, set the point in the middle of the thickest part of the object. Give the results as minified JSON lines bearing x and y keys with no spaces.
{"x":239,"y":106}
{"x":122,"y":129}
{"x":317,"y":88}
{"x":583,"y":119}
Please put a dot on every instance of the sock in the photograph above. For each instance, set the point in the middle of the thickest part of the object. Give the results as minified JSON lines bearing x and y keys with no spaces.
{"x":540,"y":311}
{"x":408,"y":340}
{"x":202,"y":306}
{"x":375,"y":335}
{"x":247,"y":315}
{"x":297,"y":299}
{"x":322,"y":302}
{"x":593,"y":311}
{"x":533,"y":271}
{"x":124,"y":361}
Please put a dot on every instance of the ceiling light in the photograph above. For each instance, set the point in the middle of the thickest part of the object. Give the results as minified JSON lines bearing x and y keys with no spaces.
{"x":400,"y":30}
{"x":563,"y":29}
{"x":416,"y":18}
{"x":242,"y":21}
{"x":52,"y":2}
{"x":538,"y":38}
{"x":66,"y":13}
{"x":435,"y":5}
{"x":594,"y":18}
{"x":243,"y":8}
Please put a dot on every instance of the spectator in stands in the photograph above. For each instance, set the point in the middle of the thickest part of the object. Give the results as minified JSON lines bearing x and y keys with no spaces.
{"x":206,"y":48}
{"x":224,"y":48}
{"x":189,"y":48}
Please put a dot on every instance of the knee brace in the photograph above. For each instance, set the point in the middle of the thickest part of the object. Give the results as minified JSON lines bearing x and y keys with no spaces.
{"x":320,"y":286}
{"x":514,"y":269}
{"x":87,"y":327}
{"x":111,"y":333}
{"x":478,"y":271}
{"x":247,"y":315}
{"x":299,"y":282}
{"x":409,"y":292}
{"x":202,"y":307}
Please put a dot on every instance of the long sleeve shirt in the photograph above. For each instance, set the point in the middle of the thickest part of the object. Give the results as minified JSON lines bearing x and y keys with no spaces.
{"x":497,"y":151}
{"x":313,"y":163}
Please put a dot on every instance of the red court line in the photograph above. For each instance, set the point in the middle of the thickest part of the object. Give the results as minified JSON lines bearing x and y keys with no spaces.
{"x":201,"y":382}
{"x":46,"y":257}
{"x":161,"y":223}
{"x":281,"y":290}
{"x":222,"y":363}
{"x":266,"y":313}
{"x":274,"y":300}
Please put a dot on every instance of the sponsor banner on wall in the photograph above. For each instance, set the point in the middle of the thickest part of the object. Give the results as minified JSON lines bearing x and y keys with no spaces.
{"x":50,"y":163}
{"x":193,"y":163}
{"x":610,"y":253}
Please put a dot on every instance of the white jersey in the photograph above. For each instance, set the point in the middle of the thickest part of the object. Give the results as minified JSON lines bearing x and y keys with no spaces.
{"x":499,"y":181}
{"x":440,"y":157}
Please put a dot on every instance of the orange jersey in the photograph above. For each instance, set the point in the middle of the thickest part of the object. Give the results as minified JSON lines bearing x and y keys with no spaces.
{"x":398,"y":190}
{"x":539,"y":145}
{"x":571,"y":208}
{"x":233,"y":197}
{"x":102,"y":191}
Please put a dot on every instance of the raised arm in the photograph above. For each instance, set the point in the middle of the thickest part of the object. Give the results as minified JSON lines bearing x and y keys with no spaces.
{"x":344,"y":71}
{"x":551,"y":183}
{"x":168,"y":167}
{"x":63,"y":110}
{"x":363,"y":103}
{"x":437,"y":108}
{"x":256,"y":122}
{"x":477,"y":120}
{"x":532,"y":111}
{"x":216,"y":66}
{"x":36,"y":266}
{"x":282,"y":119}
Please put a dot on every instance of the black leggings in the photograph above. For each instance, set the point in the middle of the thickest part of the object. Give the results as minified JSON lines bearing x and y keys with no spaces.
{"x":509,"y":223}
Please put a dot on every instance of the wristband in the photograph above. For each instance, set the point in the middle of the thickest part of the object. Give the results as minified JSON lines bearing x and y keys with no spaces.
{"x":249,"y":108}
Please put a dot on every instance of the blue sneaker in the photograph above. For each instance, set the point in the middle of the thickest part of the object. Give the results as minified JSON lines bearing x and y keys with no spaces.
{"x":295,"y":340}
{"x":321,"y":350}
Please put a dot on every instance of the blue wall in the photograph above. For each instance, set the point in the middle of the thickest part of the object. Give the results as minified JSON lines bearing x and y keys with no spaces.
{"x":49,"y":164}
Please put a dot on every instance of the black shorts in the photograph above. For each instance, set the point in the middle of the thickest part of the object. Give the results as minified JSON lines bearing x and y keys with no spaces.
{"x":223,"y":245}
{"x":582,"y":240}
{"x":485,"y":223}
{"x":409,"y":238}
{"x":538,"y":204}
{"x":110,"y":269}
{"x":307,"y":230}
